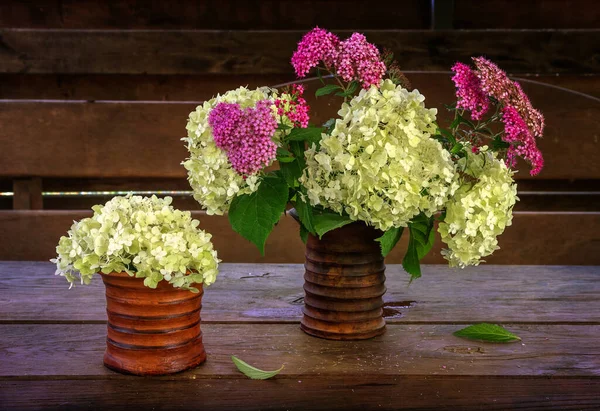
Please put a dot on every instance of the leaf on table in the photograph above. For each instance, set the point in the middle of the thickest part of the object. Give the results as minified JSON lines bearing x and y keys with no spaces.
{"x":253,"y":372}
{"x":389,"y":239}
{"x":487,"y":332}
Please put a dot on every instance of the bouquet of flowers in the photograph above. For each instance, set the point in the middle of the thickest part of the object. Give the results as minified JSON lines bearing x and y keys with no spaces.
{"x":384,"y":160}
{"x":144,"y":237}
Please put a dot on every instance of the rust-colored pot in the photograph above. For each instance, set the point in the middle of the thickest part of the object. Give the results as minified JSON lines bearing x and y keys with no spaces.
{"x":151,"y":331}
{"x":344,"y":284}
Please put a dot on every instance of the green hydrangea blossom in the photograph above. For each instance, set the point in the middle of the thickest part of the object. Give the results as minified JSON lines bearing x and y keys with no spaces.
{"x":211,"y":176}
{"x":141,"y":236}
{"x":380,"y":164}
{"x":480,"y":210}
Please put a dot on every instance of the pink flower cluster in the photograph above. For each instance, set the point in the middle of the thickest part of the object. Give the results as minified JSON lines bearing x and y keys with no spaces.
{"x":521,"y":139}
{"x":496,"y":84}
{"x":295,"y":109}
{"x":246,"y":135}
{"x":468,"y":91}
{"x":522,"y":123}
{"x":352,"y":59}
{"x":316,"y":45}
{"x":360,"y":60}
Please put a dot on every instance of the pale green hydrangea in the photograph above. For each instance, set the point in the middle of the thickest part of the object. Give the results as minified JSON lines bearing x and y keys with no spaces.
{"x":211,"y":176}
{"x":480,"y":210}
{"x":142,"y":236}
{"x":380,"y":164}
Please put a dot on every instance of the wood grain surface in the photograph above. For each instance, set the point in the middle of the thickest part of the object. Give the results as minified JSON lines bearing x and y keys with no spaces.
{"x":102,"y":135}
{"x":268,"y":52}
{"x":251,"y":293}
{"x":52,"y":358}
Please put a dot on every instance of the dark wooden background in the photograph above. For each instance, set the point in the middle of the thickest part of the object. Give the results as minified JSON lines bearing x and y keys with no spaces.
{"x":94,"y":96}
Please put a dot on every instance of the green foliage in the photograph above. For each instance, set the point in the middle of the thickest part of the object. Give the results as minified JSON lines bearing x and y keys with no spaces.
{"x":253,"y":372}
{"x":305,"y":214}
{"x":309,"y":134}
{"x":389,"y":239}
{"x":350,"y":90}
{"x":328,"y":89}
{"x":325,"y":220}
{"x":254,"y":215}
{"x":487,"y":332}
{"x":422,"y":237}
{"x":284,"y":156}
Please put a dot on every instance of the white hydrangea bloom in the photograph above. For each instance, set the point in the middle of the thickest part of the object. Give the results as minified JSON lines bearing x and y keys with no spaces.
{"x":142,"y":236}
{"x":380,"y":164}
{"x":480,"y":210}
{"x":211,"y":176}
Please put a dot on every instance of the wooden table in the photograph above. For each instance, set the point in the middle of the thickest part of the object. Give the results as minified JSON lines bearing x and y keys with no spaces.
{"x":52,"y":341}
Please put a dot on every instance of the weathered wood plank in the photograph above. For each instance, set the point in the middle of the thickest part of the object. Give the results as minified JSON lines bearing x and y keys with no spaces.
{"x":531,"y":14}
{"x":100,"y":139}
{"x":69,"y":350}
{"x":268,"y":52}
{"x":558,"y":238}
{"x":273,"y":293}
{"x":104,"y":133}
{"x":213,"y":14}
{"x":129,"y":87}
{"x":315,"y":393}
{"x":201,"y":87}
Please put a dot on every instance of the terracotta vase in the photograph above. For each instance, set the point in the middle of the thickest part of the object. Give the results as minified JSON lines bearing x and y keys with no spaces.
{"x":344,"y":284}
{"x":151,"y":331}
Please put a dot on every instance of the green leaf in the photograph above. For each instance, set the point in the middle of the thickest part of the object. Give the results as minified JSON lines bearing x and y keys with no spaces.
{"x":305,"y":214}
{"x":349,"y":91}
{"x":389,"y":239}
{"x":487,"y":332}
{"x":457,"y":148}
{"x":253,"y":372}
{"x":281,"y":126}
{"x":410,"y":262}
{"x":298,"y":149}
{"x":324,"y":221}
{"x":254,"y":215}
{"x":422,"y":237}
{"x":328,"y":89}
{"x":447,"y":134}
{"x":284,"y":156}
{"x":303,"y":234}
{"x":310,"y":134}
{"x":290,"y":172}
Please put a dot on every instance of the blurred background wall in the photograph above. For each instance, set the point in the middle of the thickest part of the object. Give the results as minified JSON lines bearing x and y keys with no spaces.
{"x":94,"y":98}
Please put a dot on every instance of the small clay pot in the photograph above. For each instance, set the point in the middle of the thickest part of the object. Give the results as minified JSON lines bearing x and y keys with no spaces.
{"x":151,"y":331}
{"x":344,"y":284}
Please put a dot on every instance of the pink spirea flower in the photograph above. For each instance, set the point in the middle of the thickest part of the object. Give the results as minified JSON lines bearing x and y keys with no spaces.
{"x":245,"y":135}
{"x":522,"y":141}
{"x":316,"y":45}
{"x":469,"y":94}
{"x":496,"y":83}
{"x":360,"y":60}
{"x":296,"y":109}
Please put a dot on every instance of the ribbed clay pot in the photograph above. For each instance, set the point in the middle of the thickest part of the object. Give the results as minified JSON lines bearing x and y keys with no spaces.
{"x":151,"y":331}
{"x":344,"y":284}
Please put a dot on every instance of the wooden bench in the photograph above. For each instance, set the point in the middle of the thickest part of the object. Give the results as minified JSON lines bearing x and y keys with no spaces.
{"x":95,"y":98}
